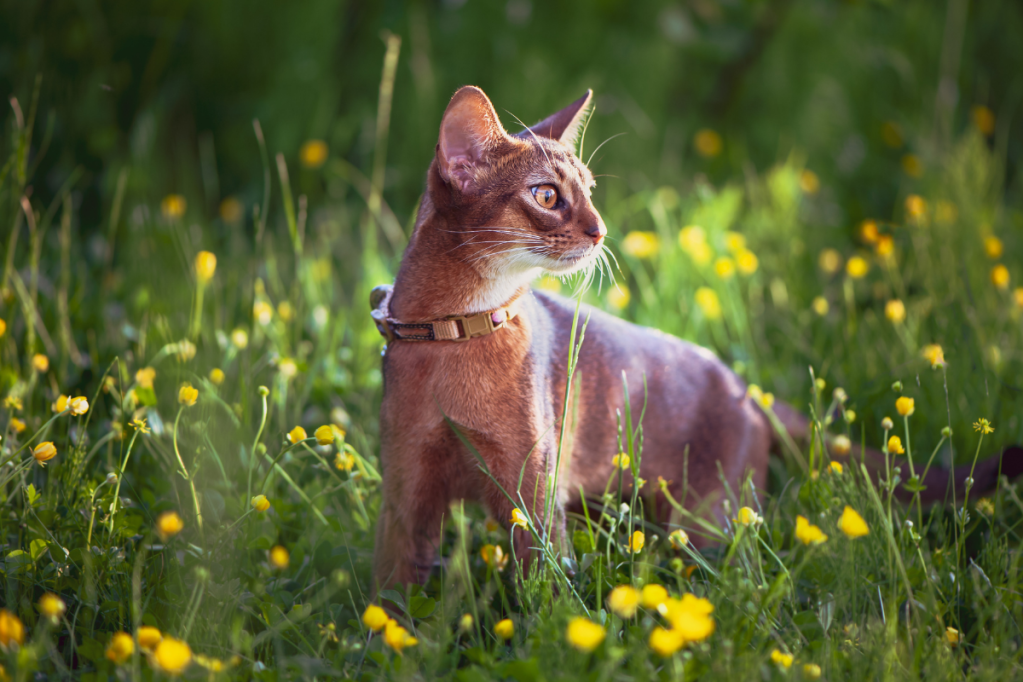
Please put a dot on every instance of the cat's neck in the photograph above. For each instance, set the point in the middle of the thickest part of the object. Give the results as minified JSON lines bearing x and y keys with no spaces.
{"x":435,"y":280}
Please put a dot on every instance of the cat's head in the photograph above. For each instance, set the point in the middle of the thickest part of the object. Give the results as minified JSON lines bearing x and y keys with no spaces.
{"x":516,"y":204}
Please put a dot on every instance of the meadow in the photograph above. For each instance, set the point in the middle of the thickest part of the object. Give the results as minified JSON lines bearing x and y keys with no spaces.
{"x":189,"y":465}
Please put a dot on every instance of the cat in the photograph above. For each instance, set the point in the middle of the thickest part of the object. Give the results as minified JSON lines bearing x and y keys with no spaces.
{"x":470,"y":343}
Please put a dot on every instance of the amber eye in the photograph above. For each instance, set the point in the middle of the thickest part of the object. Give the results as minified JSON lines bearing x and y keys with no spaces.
{"x":545,"y":195}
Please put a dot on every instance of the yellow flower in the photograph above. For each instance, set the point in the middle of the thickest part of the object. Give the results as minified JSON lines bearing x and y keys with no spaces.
{"x":895,"y":311}
{"x":260,"y":503}
{"x":313,"y":153}
{"x":288,"y":368}
{"x":519,"y":519}
{"x":184,"y":350}
{"x":641,"y":244}
{"x":887,"y":424}
{"x":653,"y":595}
{"x":836,"y":467}
{"x":324,"y":435}
{"x":708,"y":143}
{"x":841,"y":445}
{"x":934,"y":355}
{"x":678,"y":538}
{"x":494,"y":557}
{"x":397,"y":637}
{"x":618,"y":296}
{"x":52,"y":606}
{"x":852,"y":524}
{"x":895,"y":446}
{"x":985,"y":506}
{"x":636,"y":542}
{"x":952,"y":636}
{"x":620,"y":461}
{"x":912,"y":166}
{"x":465,"y":622}
{"x":857,"y":267}
{"x":820,"y":306}
{"x":781,"y":660}
{"x":734,"y":242}
{"x":285,"y":311}
{"x":44,"y":452}
{"x":905,"y":406}
{"x":1017,"y":296}
{"x":149,"y":637}
{"x":205,"y":266}
{"x":240,"y":338}
{"x":983,"y":426}
{"x":584,"y":634}
{"x":344,"y":461}
{"x":885,"y":246}
{"x":279,"y":557}
{"x":708,"y":302}
{"x":17,"y":425}
{"x":689,"y":617}
{"x":12,"y":631}
{"x":187,"y":395}
{"x":231,"y":210}
{"x":665,"y":642}
{"x":811,"y":671}
{"x":765,"y":400}
{"x":807,"y":533}
{"x":172,"y":656}
{"x":40,"y":362}
{"x":830,"y":261}
{"x":747,"y":262}
{"x":993,"y":247}
{"x":169,"y":524}
{"x":214,"y":665}
{"x":3,"y":327}
{"x":262,"y":312}
{"x":983,"y":119}
{"x":144,"y":377}
{"x":693,"y":241}
{"x":916,"y":208}
{"x":139,"y":424}
{"x":809,"y":182}
{"x":217,"y":376}
{"x":78,"y":406}
{"x":297,"y":435}
{"x":724,"y":267}
{"x":623,"y":600}
{"x":1000,"y":276}
{"x":173,"y":206}
{"x":891,"y":133}
{"x":375,"y":618}
{"x":868,"y":231}
{"x":120,"y":648}
{"x":505,"y":629}
{"x":748,"y":517}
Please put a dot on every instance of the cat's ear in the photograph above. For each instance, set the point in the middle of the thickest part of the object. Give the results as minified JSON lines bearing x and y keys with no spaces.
{"x":564,"y":126}
{"x":470,"y":134}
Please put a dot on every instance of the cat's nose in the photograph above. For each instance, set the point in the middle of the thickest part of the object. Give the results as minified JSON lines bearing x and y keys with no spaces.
{"x":596,"y":232}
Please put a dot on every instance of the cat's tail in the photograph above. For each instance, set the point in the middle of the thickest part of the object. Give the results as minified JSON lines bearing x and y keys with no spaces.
{"x":939,"y":484}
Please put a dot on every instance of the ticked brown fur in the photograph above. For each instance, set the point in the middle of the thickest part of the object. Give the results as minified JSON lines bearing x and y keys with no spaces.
{"x":480,"y":237}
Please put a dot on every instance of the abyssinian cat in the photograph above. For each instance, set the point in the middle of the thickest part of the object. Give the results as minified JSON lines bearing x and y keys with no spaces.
{"x":468,"y":340}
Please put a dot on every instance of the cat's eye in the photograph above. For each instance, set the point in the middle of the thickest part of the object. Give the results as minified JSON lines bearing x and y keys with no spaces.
{"x":545,"y":195}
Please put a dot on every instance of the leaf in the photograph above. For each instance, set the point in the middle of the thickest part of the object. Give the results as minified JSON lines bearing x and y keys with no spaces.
{"x":393,"y":596}
{"x":37,"y":548}
{"x":523,"y":671}
{"x":17,"y":560}
{"x":146,"y":396}
{"x":581,"y":543}
{"x":32,"y":494}
{"x":421,"y":607}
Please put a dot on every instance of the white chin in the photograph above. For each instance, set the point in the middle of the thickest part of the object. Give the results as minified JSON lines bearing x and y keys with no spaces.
{"x":570,"y":263}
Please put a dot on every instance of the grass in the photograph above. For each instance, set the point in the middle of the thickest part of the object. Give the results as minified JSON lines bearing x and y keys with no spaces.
{"x":145,"y":515}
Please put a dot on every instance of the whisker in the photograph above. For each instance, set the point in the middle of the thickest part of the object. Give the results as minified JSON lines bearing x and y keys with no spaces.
{"x":599,"y":146}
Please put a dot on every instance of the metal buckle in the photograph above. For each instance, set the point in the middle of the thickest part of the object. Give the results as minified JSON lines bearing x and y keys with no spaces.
{"x":380,"y":319}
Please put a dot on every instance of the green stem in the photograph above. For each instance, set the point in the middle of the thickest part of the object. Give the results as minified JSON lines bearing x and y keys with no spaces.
{"x":184,"y":472}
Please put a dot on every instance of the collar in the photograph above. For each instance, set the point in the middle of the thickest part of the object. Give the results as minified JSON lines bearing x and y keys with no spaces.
{"x":451,"y":328}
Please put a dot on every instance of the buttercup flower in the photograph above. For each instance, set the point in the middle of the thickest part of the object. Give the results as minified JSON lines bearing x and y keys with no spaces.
{"x":494,"y":557}
{"x":313,"y":153}
{"x":240,"y":338}
{"x":747,"y":516}
{"x":297,"y":435}
{"x":689,"y":617}
{"x":747,"y":262}
{"x":983,"y":426}
{"x":841,"y":445}
{"x":519,"y":519}
{"x":895,"y":311}
{"x":734,"y":242}
{"x":916,"y":209}
{"x":885,"y":246}
{"x":852,"y":524}
{"x":148,"y":637}
{"x":375,"y":618}
{"x":169,"y":524}
{"x":809,"y":182}
{"x":830,"y":261}
{"x":465,"y":622}
{"x":3,"y":327}
{"x":664,"y":642}
{"x":811,"y":671}
{"x":887,"y":424}
{"x":653,"y":595}
{"x":707,"y":142}
{"x":231,"y":210}
{"x":993,"y":247}
{"x":820,"y":306}
{"x":857,"y":267}
{"x":584,"y":634}
{"x":934,"y":355}
{"x":724,"y":267}
{"x":808,"y":533}
{"x":985,"y":506}
{"x":324,"y":435}
{"x":397,"y":637}
{"x":623,"y":601}
{"x":12,"y":631}
{"x":1000,"y":276}
{"x":120,"y":648}
{"x":173,"y":206}
{"x":78,"y":406}
{"x":641,"y":244}
{"x":782,"y":660}
{"x":217,"y":376}
{"x":895,"y":446}
{"x":40,"y":362}
{"x":172,"y":656}
{"x":52,"y":606}
{"x":836,"y":467}
{"x":187,"y":395}
{"x":708,"y":303}
{"x":620,"y":461}
{"x":693,"y":241}
{"x":952,"y":636}
{"x":905,"y":406}
{"x":205,"y":266}
{"x":983,"y":119}
{"x":279,"y":557}
{"x":868,"y":231}
{"x":44,"y":452}
{"x":636,"y":542}
{"x":618,"y":296}
{"x":505,"y":629}
{"x":17,"y":425}
{"x":144,"y":377}
{"x":344,"y":461}
{"x":260,"y":503}
{"x":262,"y":312}
{"x":678,"y":538}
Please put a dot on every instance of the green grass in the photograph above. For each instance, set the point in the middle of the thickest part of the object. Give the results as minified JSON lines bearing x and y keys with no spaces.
{"x":296,"y":288}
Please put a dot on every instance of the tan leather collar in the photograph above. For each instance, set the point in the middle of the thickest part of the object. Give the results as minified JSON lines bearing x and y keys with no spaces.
{"x":451,"y":328}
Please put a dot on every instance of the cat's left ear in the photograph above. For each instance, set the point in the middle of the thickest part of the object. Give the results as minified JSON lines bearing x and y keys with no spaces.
{"x":564,"y":126}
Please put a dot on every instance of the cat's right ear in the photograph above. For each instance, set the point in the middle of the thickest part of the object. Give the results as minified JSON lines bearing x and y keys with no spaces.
{"x":470,"y":132}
